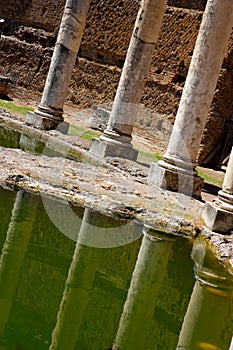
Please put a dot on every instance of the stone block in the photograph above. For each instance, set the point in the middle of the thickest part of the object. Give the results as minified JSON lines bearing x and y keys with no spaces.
{"x":100,"y":119}
{"x":190,"y":185}
{"x":103,"y":149}
{"x":63,"y":128}
{"x":43,"y":123}
{"x":217,"y":219}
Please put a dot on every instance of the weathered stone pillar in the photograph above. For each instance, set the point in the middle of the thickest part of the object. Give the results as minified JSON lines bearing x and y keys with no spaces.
{"x":49,"y":112}
{"x":177,"y":169}
{"x":142,"y":296}
{"x":218,"y":215}
{"x":78,"y":286}
{"x":117,"y":139}
{"x":13,"y":252}
{"x":209,"y":308}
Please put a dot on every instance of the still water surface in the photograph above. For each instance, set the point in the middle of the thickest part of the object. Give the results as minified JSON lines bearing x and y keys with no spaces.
{"x":155,"y":293}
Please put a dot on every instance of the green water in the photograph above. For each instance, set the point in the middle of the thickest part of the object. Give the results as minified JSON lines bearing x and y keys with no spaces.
{"x":86,"y":290}
{"x":11,"y":138}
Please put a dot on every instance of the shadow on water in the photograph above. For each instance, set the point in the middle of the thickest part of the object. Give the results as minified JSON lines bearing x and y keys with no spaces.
{"x":57,"y":292}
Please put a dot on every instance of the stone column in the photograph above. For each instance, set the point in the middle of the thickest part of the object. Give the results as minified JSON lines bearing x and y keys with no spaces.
{"x":78,"y":286}
{"x":49,"y":112}
{"x":209,"y":307}
{"x":177,"y":169}
{"x":13,"y":252}
{"x":218,"y":215}
{"x":142,"y":296}
{"x":117,"y":139}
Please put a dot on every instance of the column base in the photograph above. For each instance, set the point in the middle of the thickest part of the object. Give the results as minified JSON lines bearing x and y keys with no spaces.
{"x":176,"y":180}
{"x":216,"y":218}
{"x":44,"y":122}
{"x":103,"y":148}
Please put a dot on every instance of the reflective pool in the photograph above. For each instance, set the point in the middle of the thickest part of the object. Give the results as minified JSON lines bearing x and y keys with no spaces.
{"x":69,"y":284}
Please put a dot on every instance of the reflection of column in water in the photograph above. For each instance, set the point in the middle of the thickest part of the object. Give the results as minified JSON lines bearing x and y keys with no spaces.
{"x":143,"y":292}
{"x":208,"y":309}
{"x":14,"y":248}
{"x":78,"y":286}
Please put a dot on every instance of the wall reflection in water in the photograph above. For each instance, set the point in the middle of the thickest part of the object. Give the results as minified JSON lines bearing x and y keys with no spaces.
{"x":56,"y":293}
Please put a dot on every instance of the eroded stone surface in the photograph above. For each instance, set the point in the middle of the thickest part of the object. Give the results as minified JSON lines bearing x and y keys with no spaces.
{"x":116,"y":187}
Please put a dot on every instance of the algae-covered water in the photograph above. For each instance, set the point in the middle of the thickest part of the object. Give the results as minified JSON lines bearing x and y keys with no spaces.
{"x":96,"y":283}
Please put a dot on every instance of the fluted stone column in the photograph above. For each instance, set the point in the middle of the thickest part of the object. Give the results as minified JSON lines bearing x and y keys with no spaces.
{"x":13,"y":252}
{"x":49,"y":112}
{"x":218,"y":215}
{"x":143,"y":292}
{"x":78,"y":286}
{"x":177,"y":169}
{"x":209,"y":307}
{"x":117,"y":139}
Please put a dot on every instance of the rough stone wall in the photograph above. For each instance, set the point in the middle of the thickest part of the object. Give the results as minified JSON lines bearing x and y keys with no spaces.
{"x":30,"y":33}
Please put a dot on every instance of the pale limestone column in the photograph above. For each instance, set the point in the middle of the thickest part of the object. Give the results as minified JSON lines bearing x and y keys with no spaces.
{"x":218,"y":215}
{"x":13,"y":252}
{"x":209,"y":306}
{"x":117,"y":139}
{"x":78,"y":286}
{"x":49,"y":112}
{"x":142,"y":296}
{"x":177,"y":169}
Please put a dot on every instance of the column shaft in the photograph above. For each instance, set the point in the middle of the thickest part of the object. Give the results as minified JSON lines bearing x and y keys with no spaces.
{"x":50,"y":110}
{"x":205,"y":319}
{"x":210,"y":305}
{"x":196,"y":99}
{"x":117,"y":139}
{"x":13,"y":252}
{"x":78,"y":286}
{"x":143,"y":292}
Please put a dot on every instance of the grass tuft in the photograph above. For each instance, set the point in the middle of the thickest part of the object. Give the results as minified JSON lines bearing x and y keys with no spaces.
{"x":83,"y":133}
{"x":208,"y":178}
{"x":150,"y":156}
{"x":12,"y":107}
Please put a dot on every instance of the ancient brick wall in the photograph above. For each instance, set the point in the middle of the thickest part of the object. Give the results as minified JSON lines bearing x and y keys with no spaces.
{"x":30,"y":34}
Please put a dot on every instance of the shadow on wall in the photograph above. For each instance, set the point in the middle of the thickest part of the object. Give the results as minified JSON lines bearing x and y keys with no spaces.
{"x":189,"y":4}
{"x":44,"y":14}
{"x":16,"y":9}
